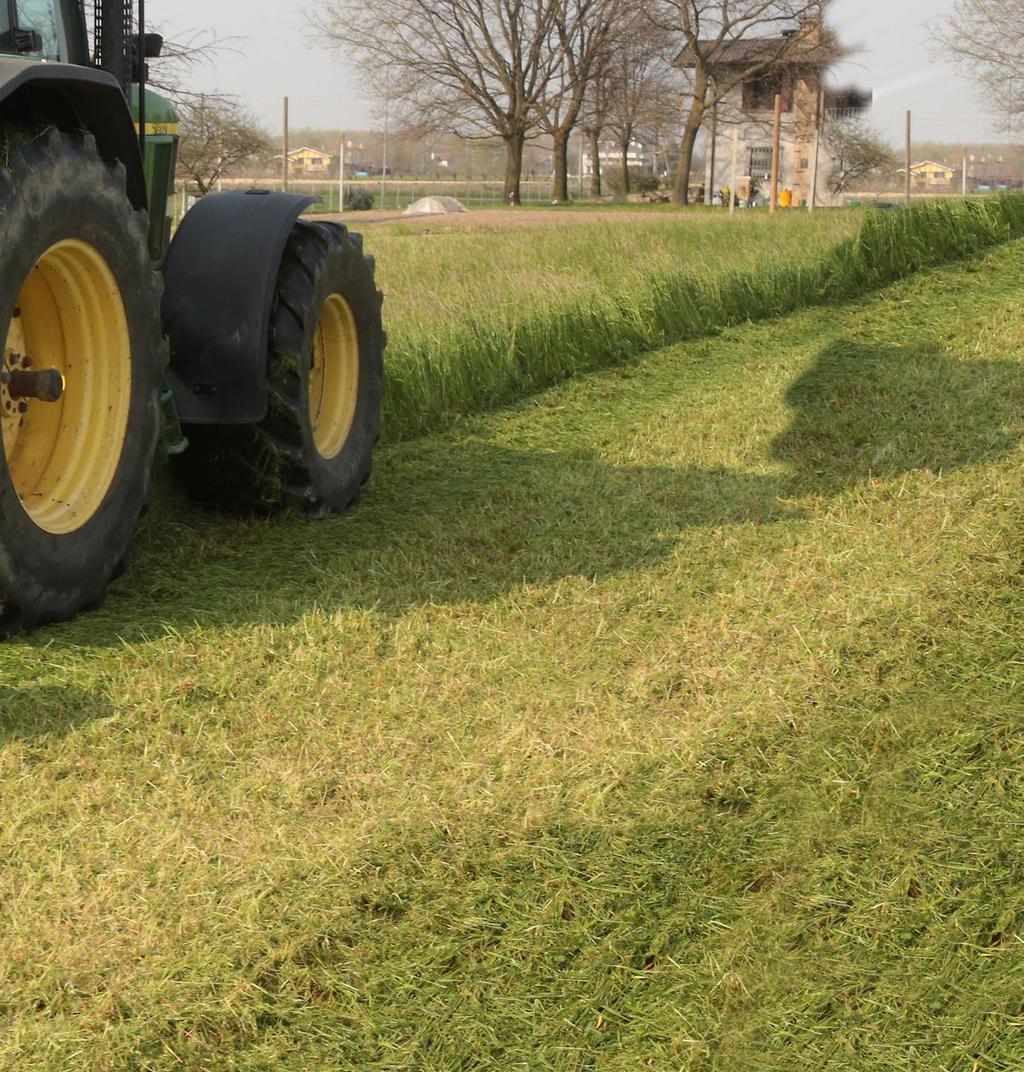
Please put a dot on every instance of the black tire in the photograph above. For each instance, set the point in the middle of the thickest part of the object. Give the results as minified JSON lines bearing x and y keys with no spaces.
{"x":55,"y":189}
{"x":276,"y":462}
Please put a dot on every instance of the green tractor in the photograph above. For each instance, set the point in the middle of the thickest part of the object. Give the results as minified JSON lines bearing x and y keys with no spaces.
{"x":250,"y":344}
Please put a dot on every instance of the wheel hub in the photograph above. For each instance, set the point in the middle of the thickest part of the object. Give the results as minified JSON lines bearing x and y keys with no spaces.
{"x":21,"y":382}
{"x":64,"y":422}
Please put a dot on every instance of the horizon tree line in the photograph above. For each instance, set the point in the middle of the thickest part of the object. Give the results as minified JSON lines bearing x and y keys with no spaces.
{"x":618,"y":71}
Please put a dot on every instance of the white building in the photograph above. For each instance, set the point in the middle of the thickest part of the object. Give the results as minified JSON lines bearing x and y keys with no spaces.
{"x":641,"y":157}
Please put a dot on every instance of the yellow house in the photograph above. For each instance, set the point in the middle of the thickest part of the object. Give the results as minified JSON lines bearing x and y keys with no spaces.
{"x":931,"y":175}
{"x":307,"y":161}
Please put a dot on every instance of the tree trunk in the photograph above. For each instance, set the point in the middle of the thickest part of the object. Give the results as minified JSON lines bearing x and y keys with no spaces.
{"x":560,"y":156}
{"x":625,"y":169}
{"x":686,"y":164}
{"x":595,"y":163}
{"x":692,"y":128}
{"x":514,"y":168}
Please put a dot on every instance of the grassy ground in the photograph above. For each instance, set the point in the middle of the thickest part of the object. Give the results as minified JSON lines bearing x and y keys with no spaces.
{"x":480,"y":317}
{"x":477,"y":315}
{"x":670,"y":720}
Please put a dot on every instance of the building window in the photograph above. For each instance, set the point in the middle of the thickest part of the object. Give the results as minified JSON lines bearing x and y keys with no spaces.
{"x":760,"y":161}
{"x":759,"y":93}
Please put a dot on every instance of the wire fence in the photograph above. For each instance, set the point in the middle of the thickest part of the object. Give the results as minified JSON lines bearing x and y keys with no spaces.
{"x":393,"y":194}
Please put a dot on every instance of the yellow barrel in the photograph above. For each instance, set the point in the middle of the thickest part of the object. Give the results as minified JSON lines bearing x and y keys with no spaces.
{"x":786,"y":199}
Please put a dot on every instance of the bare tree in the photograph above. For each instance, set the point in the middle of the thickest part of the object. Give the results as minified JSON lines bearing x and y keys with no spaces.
{"x":729,"y":42}
{"x":216,"y":135}
{"x":986,"y":37}
{"x":475,"y":68}
{"x":584,"y":35}
{"x":857,"y":150}
{"x":641,"y":94}
{"x":597,"y":104}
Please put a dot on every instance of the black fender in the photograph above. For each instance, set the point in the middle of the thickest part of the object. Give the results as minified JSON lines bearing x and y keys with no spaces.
{"x":219,"y":281}
{"x":75,"y":98}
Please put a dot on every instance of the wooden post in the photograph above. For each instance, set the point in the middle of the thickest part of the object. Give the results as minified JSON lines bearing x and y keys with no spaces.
{"x":773,"y":202}
{"x":732,"y":181}
{"x":963,"y":177}
{"x":284,"y":167}
{"x":709,"y":195}
{"x":819,"y":119}
{"x":907,"y":193}
{"x":341,"y":175}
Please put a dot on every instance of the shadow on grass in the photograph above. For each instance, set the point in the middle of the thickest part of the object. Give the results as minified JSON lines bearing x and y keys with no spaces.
{"x":862,"y":412}
{"x":33,"y":710}
{"x":468,"y":520}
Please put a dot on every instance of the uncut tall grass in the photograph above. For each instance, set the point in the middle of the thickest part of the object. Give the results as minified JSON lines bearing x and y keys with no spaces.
{"x":478,"y":318}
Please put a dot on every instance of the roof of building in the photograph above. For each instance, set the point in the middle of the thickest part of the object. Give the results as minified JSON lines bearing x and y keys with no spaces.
{"x":750,"y":51}
{"x":307,"y":149}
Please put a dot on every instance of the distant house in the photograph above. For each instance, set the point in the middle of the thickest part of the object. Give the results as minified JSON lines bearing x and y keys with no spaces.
{"x":639,"y":157}
{"x":307,"y":161}
{"x":931,"y":175}
{"x":984,"y":173}
{"x":796,"y":74}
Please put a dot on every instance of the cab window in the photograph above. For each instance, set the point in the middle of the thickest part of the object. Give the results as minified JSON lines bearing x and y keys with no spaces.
{"x":38,"y":16}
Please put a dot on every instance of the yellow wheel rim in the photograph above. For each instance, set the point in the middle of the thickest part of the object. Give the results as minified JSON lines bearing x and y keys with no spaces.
{"x":62,"y":456}
{"x":333,"y":377}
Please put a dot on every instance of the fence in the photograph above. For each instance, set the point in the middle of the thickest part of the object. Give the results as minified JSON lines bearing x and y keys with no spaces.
{"x":398,"y":194}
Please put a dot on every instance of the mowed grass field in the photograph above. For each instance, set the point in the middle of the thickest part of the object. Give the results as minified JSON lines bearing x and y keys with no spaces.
{"x":668,"y":719}
{"x":479,"y":312}
{"x":485,"y":307}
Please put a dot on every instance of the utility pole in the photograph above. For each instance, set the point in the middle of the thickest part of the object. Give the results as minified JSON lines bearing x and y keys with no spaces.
{"x":773,"y":202}
{"x":732,"y":180}
{"x":341,"y":174}
{"x":907,"y":192}
{"x":284,"y":166}
{"x":963,"y":176}
{"x":384,"y":153}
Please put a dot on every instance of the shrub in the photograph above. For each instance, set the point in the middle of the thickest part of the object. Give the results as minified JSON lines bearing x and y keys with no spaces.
{"x":358,"y":199}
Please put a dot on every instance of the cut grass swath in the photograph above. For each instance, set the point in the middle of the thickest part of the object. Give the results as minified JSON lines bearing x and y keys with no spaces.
{"x":459,"y":345}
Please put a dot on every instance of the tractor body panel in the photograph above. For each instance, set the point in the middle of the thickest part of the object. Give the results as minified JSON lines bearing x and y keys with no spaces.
{"x":219,"y":280}
{"x":161,"y":156}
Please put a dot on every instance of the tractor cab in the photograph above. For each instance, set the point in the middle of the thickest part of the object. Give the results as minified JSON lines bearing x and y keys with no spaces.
{"x":51,"y":30}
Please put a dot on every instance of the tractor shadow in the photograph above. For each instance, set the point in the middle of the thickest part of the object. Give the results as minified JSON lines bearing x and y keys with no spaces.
{"x":450,"y":520}
{"x":862,"y":413}
{"x":32,"y":710}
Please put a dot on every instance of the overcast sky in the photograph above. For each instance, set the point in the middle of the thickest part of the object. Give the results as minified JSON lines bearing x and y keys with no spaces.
{"x":276,"y":57}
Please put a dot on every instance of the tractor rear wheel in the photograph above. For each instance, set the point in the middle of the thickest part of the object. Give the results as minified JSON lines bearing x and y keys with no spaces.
{"x":324,"y":375}
{"x":80,"y":375}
